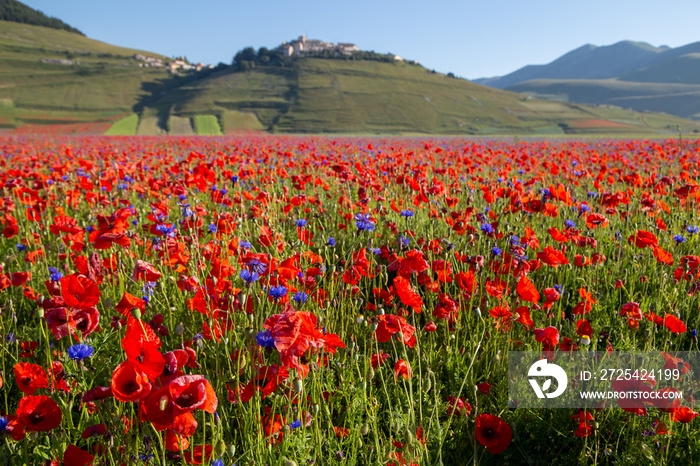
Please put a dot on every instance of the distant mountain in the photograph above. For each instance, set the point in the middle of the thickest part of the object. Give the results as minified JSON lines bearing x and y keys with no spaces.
{"x":628,"y":74}
{"x":16,"y":12}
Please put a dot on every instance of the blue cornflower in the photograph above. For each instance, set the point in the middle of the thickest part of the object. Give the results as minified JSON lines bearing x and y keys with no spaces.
{"x":331,"y":241}
{"x":224,"y":191}
{"x":249,"y":276}
{"x":218,"y":462}
{"x":246,"y":245}
{"x":584,"y":208}
{"x":487,"y":228}
{"x":55,"y":274}
{"x":182,"y":197}
{"x":376,"y":251}
{"x":559,"y":288}
{"x":295,"y":425}
{"x":300,"y":297}
{"x":165,"y":229}
{"x":301,"y":223}
{"x":496,"y":251}
{"x":364,"y":222}
{"x":4,"y":423}
{"x":407,"y":213}
{"x":277,"y":292}
{"x":570,"y":223}
{"x":679,"y":238}
{"x":234,"y":179}
{"x":264,"y":338}
{"x":694,"y":334}
{"x":212,"y":228}
{"x":80,"y":351}
{"x":257,"y":266}
{"x":21,"y":247}
{"x":692,"y":229}
{"x":404,"y":241}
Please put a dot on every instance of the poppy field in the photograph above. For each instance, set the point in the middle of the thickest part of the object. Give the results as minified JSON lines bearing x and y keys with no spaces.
{"x":314,"y":300}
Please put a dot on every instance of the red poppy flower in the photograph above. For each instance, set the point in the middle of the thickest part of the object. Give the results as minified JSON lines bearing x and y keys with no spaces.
{"x":378,"y":359}
{"x":552,"y":257}
{"x":94,"y":431}
{"x":390,"y":324}
{"x":128,"y":302}
{"x":190,"y":392}
{"x":39,"y":413}
{"x":549,"y":337}
{"x":198,"y":455}
{"x":403,"y":369}
{"x":595,"y":220}
{"x":493,"y":433}
{"x":684,"y":414}
{"x":527,"y":291}
{"x":674,"y":324}
{"x":79,"y":291}
{"x":30,"y":377}
{"x":551,"y":296}
{"x":175,"y":442}
{"x":631,"y":310}
{"x":14,"y":428}
{"x":144,"y":270}
{"x":414,"y":262}
{"x":407,"y":294}
{"x":643,"y":239}
{"x":458,"y":406}
{"x":584,"y":328}
{"x":129,"y":383}
{"x":74,"y":456}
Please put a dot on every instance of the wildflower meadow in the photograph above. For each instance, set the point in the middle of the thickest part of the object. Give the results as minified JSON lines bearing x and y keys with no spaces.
{"x":315,"y":300}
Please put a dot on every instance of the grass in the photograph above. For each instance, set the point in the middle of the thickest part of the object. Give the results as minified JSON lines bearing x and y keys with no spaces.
{"x":126,"y":126}
{"x":206,"y":125}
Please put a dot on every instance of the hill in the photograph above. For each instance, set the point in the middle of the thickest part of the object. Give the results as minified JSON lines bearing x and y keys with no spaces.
{"x":14,"y":11}
{"x":632,"y":75}
{"x":55,"y":76}
{"x":58,"y":81}
{"x":316,"y":95}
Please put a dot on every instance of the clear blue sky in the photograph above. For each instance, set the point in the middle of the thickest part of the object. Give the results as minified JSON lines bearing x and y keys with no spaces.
{"x":471,"y":39}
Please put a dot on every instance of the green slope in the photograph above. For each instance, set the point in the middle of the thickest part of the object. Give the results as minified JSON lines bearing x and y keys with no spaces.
{"x":338,"y":96}
{"x":672,"y":98}
{"x":100,"y":82}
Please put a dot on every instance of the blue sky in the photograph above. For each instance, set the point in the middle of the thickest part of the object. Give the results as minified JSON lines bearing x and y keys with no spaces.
{"x":471,"y":39}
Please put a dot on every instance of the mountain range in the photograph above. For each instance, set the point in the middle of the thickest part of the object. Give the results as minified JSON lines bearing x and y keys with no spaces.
{"x":627,"y":74}
{"x":53,"y":79}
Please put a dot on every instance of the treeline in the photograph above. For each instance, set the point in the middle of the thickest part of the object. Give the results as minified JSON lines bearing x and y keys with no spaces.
{"x":12,"y":10}
{"x":248,"y":58}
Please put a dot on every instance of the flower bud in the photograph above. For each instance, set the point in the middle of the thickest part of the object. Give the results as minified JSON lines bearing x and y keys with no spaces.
{"x":298,"y":385}
{"x":220,"y":448}
{"x":136,"y":313}
{"x":40,"y":312}
{"x":179,"y":329}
